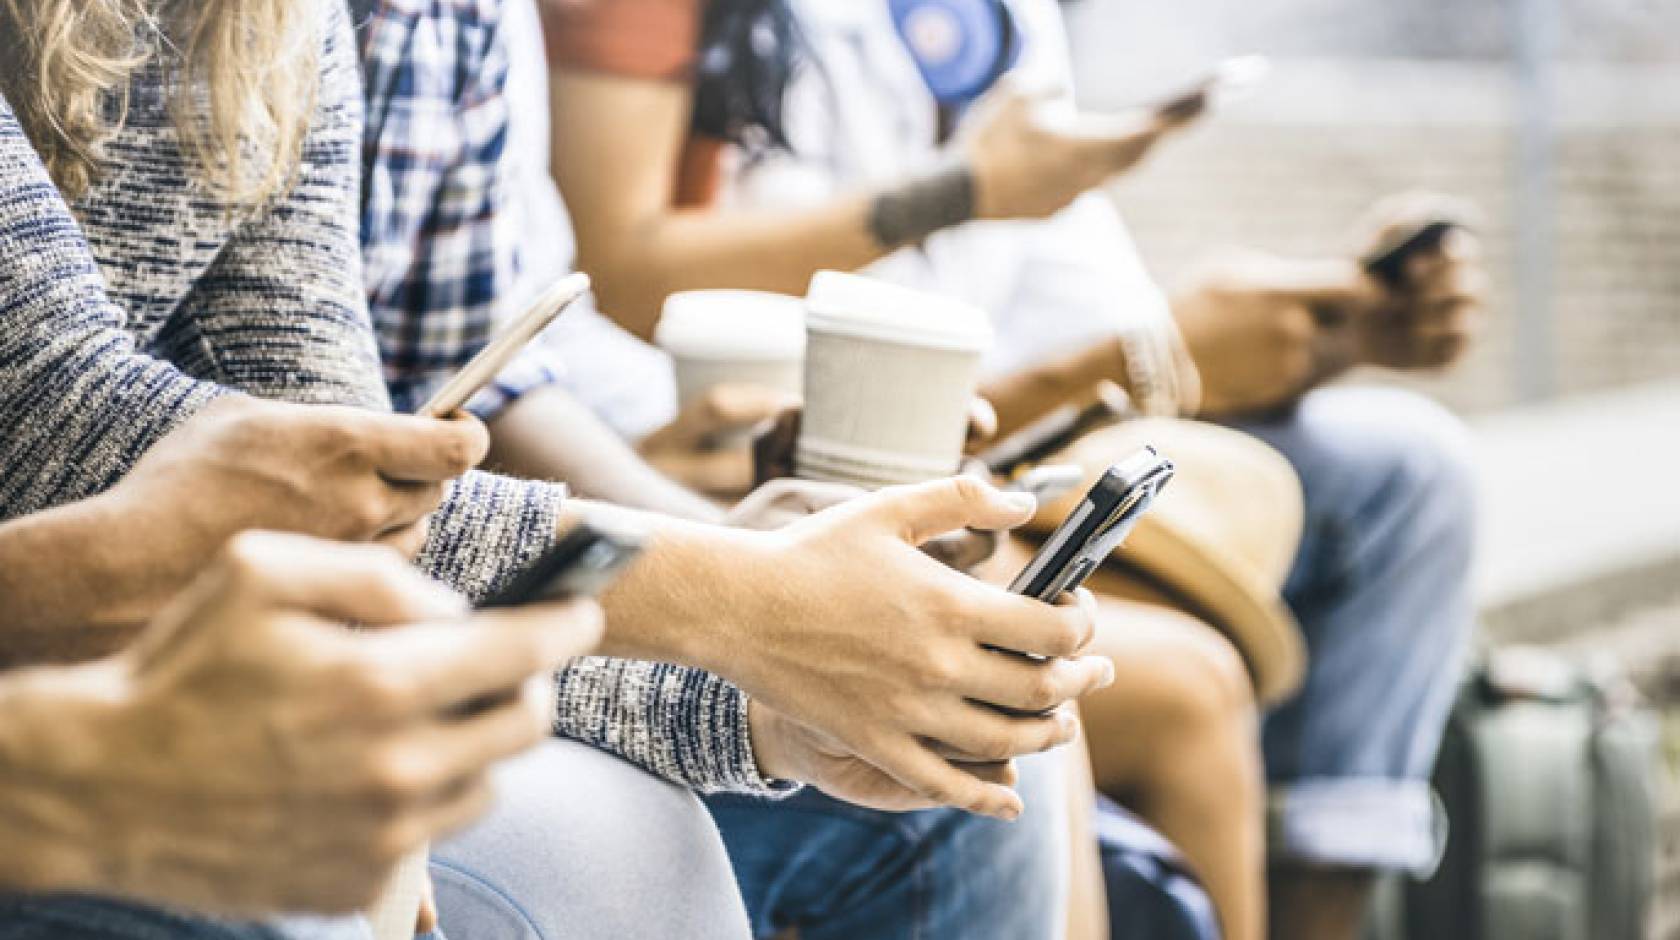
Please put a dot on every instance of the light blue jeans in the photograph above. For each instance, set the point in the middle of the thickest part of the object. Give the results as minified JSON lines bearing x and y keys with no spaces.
{"x":1382,"y":589}
{"x":838,"y":871}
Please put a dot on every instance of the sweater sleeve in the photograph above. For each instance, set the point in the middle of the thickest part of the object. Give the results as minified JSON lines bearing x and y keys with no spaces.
{"x":78,"y":402}
{"x":281,"y":312}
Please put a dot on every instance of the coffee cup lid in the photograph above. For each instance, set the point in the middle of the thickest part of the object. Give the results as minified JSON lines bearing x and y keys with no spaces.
{"x":854,"y":305}
{"x":732,"y":324}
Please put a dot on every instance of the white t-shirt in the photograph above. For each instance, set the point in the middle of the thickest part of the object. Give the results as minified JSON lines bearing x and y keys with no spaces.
{"x":861,"y":116}
{"x":624,"y":380}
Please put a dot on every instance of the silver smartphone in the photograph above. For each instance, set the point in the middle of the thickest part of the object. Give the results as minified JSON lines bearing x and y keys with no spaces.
{"x":492,"y":359}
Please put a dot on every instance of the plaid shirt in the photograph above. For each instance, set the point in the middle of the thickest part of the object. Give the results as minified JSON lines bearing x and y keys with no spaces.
{"x":440,"y":251}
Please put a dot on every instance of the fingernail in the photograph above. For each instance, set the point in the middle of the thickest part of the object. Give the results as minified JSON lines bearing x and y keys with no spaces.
{"x":1020,"y":501}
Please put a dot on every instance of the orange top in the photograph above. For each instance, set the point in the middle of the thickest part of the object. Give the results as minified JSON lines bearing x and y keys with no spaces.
{"x":644,"y":39}
{"x":632,"y":38}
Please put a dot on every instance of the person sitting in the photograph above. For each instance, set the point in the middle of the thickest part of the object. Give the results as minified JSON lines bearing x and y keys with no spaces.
{"x":112,"y":345}
{"x":861,"y":161}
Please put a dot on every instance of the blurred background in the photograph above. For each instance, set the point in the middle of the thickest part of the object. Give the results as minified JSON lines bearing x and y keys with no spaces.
{"x":1560,"y":119}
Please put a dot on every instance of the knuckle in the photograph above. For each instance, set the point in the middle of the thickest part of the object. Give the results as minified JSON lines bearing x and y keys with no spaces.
{"x":1043,"y":693}
{"x":398,"y":776}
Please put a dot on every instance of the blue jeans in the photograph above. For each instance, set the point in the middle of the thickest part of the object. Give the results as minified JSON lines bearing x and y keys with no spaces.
{"x":1382,"y":589}
{"x":81,"y":918}
{"x":838,"y":871}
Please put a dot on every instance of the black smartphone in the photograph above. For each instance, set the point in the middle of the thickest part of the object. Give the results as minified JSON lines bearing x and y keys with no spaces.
{"x":586,"y":559}
{"x":1057,"y":431}
{"x":1387,"y":262}
{"x":1101,"y":522}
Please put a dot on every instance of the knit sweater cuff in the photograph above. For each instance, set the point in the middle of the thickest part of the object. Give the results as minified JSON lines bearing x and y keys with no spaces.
{"x":685,"y":725}
{"x":488,"y":529}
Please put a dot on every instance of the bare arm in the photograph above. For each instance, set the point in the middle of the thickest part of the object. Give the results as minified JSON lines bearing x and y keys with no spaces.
{"x":547,"y":434}
{"x":617,"y":144}
{"x":616,"y":147}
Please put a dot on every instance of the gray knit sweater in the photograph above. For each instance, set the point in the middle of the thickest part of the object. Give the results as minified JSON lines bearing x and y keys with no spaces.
{"x":115,"y":330}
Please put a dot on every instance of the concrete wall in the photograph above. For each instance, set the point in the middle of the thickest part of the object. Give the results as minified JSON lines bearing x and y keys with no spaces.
{"x":1290,"y":169}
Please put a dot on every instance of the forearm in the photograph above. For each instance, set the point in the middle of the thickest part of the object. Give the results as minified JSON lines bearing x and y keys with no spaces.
{"x":1028,"y":394}
{"x":76,"y":582}
{"x":704,"y":248}
{"x":548,"y":435}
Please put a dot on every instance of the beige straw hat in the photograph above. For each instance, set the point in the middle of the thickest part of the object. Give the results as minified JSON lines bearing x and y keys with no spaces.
{"x":1219,"y":540}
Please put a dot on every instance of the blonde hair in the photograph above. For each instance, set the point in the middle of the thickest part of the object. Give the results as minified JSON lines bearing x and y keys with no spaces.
{"x":243,"y":75}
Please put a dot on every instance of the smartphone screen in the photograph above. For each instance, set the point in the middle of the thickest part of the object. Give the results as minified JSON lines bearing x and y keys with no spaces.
{"x":492,"y":359}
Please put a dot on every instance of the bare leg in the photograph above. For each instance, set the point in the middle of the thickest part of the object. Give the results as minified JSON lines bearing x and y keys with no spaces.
{"x":1087,"y":893}
{"x":1319,"y":903}
{"x":1176,"y":739}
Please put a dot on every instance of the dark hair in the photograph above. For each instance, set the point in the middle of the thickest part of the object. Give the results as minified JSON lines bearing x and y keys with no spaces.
{"x":748,"y":52}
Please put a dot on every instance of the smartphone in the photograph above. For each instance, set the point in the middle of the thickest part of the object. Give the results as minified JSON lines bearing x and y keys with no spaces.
{"x":1057,"y":431}
{"x":586,"y":559}
{"x":492,"y":359}
{"x":1226,"y":82}
{"x":1102,"y":521}
{"x":1387,"y":262}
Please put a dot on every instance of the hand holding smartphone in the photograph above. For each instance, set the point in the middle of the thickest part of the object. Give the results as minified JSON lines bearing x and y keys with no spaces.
{"x":492,"y":359}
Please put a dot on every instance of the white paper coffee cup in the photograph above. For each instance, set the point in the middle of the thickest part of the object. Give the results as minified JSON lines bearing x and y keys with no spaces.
{"x":890,"y":373}
{"x":718,"y":337}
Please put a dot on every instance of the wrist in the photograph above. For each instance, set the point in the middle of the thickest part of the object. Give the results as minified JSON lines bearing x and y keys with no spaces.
{"x":768,"y":730}
{"x":910,"y":213}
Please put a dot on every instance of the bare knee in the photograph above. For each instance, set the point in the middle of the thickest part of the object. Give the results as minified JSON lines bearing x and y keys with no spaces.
{"x":1179,"y":685}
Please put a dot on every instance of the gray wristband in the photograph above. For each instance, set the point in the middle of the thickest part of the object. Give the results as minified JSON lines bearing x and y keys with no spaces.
{"x":912,"y":212}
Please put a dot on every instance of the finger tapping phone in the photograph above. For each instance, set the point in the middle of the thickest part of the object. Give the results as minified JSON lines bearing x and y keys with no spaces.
{"x":1057,"y":431}
{"x":1048,"y":482}
{"x":492,"y":359}
{"x":1101,"y":522}
{"x":583,"y":563}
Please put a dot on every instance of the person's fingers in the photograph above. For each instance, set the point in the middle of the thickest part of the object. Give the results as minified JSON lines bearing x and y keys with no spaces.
{"x":982,"y":420}
{"x":444,"y":667}
{"x":980,"y":733}
{"x":464,"y":804}
{"x":1028,"y":685}
{"x":1024,"y":625}
{"x":362,"y":583}
{"x":924,"y":510}
{"x":916,"y":767}
{"x":407,"y":540}
{"x":1316,"y":283}
{"x":404,"y":504}
{"x":470,"y":743}
{"x":963,"y":549}
{"x":414,"y":449}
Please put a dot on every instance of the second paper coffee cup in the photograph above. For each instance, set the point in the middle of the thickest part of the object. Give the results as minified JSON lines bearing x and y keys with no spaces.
{"x":718,"y":337}
{"x":889,"y":376}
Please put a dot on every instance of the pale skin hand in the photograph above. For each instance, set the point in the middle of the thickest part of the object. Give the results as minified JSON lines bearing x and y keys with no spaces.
{"x":76,"y":581}
{"x":1025,"y":168}
{"x":248,"y":715}
{"x":1263,"y":330}
{"x":841,"y":624}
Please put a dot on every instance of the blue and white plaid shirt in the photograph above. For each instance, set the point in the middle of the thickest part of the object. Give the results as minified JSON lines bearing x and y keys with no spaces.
{"x":440,"y":252}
